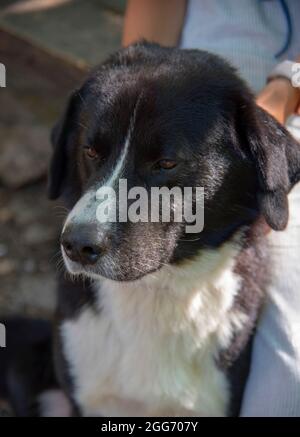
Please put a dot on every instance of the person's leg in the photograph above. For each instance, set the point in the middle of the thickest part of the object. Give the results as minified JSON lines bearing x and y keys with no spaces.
{"x":273,"y":387}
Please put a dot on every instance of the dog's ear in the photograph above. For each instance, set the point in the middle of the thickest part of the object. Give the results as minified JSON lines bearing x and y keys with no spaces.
{"x":276,"y":155}
{"x":59,"y":139}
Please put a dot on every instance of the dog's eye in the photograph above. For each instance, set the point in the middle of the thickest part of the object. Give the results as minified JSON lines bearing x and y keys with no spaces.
{"x":167,"y":164}
{"x":90,"y":152}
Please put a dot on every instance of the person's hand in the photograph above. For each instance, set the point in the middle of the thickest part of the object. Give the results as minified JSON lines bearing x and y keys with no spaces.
{"x":280,"y":99}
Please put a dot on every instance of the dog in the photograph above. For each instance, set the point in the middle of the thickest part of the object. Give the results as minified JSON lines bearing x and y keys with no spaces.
{"x":159,"y":321}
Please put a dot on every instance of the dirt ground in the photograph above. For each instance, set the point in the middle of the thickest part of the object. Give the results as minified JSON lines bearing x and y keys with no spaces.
{"x":29,"y":223}
{"x":76,"y":34}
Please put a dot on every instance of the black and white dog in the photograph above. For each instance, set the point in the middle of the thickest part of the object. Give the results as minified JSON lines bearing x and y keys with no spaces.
{"x":159,"y":321}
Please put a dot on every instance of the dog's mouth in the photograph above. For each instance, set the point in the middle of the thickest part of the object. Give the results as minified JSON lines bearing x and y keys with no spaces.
{"x":108,"y":268}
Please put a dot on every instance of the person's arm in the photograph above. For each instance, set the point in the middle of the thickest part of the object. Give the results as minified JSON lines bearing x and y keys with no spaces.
{"x":280,"y":98}
{"x":158,"y":21}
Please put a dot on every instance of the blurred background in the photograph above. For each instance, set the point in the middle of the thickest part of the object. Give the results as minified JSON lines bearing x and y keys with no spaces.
{"x":47,"y":47}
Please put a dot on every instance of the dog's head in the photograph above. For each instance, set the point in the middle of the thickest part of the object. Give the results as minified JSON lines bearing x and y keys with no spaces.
{"x":160,"y":117}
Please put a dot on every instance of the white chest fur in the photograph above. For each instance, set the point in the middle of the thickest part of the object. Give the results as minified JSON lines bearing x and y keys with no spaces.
{"x":151,"y":348}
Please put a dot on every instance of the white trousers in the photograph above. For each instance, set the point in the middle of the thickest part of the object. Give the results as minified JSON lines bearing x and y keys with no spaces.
{"x":273,"y":387}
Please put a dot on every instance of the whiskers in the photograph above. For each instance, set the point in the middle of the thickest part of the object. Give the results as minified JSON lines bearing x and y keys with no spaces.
{"x":60,"y":211}
{"x":82,"y":125}
{"x":78,"y":277}
{"x":60,"y":267}
{"x":58,"y":261}
{"x":189,"y":240}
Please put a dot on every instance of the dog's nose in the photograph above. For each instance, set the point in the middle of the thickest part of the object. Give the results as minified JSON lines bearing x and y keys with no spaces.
{"x":83,"y":245}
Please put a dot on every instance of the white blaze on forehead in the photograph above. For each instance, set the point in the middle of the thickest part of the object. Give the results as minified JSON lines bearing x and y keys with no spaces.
{"x":117,"y":171}
{"x":107,"y":210}
{"x":82,"y":211}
